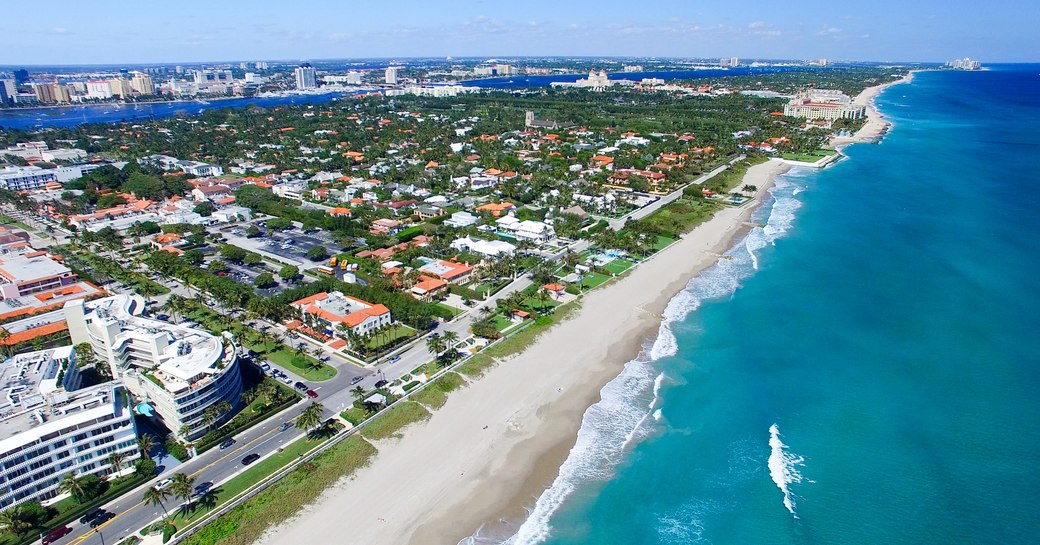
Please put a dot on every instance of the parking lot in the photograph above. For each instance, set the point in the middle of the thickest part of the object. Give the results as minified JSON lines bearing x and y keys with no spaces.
{"x":291,"y":245}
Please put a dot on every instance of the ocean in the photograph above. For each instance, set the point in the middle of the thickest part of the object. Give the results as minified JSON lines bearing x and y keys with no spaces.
{"x":861,"y":369}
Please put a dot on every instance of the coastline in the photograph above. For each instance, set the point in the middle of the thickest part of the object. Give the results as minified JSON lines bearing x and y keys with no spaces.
{"x":494,"y":447}
{"x":876,"y":126}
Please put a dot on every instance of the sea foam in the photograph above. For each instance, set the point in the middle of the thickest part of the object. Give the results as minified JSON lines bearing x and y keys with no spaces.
{"x":629,"y":404}
{"x":783,"y":467}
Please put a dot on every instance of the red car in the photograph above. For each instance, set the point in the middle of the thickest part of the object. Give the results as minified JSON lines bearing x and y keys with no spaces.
{"x":312,"y":394}
{"x":56,"y":534}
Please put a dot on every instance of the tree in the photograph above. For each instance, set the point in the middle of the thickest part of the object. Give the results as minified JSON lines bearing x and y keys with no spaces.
{"x":210,"y":416}
{"x":13,"y":521}
{"x":317,"y":253}
{"x":146,"y":443}
{"x":450,"y":340}
{"x":358,"y":392}
{"x":204,"y":209}
{"x":73,"y":485}
{"x":116,"y":459}
{"x":435,"y":344}
{"x":264,"y":280}
{"x":155,"y":496}
{"x":289,"y":272}
{"x":310,"y":417}
{"x":183,"y":487}
{"x":231,"y":253}
{"x":252,"y":231}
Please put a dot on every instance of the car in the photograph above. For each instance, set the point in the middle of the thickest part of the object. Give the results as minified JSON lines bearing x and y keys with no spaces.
{"x":312,"y":394}
{"x":381,"y":383}
{"x":300,"y":386}
{"x":265,"y":366}
{"x":91,"y":515}
{"x":393,"y":359}
{"x":101,"y":518}
{"x":163,"y":484}
{"x":250,"y":459}
{"x":56,"y":534}
{"x":202,"y":488}
{"x":287,"y":380}
{"x":356,"y":380}
{"x":285,"y":426}
{"x":227,"y":444}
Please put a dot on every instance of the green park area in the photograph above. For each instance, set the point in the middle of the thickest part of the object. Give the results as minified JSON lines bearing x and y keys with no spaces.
{"x":810,"y":157}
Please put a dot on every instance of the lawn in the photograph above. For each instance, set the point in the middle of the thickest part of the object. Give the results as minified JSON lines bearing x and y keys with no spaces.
{"x":663,"y":242}
{"x":303,"y":365}
{"x":618,"y":266}
{"x":452,"y":310}
{"x":810,"y":157}
{"x":244,"y":524}
{"x":593,"y":280}
{"x":501,"y":322}
{"x":390,"y":336}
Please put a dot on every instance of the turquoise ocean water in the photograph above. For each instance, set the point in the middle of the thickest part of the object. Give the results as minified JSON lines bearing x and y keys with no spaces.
{"x":863,"y":369}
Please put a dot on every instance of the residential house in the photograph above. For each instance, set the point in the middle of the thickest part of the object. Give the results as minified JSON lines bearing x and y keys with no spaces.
{"x":335,"y":308}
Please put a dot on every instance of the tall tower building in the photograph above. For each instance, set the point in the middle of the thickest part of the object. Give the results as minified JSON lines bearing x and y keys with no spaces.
{"x":142,"y":84}
{"x":61,"y":93}
{"x":391,"y":75}
{"x":44,"y":93}
{"x":306,"y":77}
{"x":120,"y":87}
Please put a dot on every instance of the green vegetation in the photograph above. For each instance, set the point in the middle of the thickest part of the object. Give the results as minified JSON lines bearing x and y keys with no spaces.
{"x":244,"y":524}
{"x":810,"y":157}
{"x":514,"y":344}
{"x":435,"y":394}
{"x":269,"y":398}
{"x":390,"y":421}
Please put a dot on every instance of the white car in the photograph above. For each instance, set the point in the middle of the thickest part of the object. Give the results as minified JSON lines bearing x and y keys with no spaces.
{"x":163,"y":484}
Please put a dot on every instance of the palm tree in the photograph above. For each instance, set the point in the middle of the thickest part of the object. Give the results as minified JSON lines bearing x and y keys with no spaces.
{"x":155,"y":496}
{"x":13,"y":521}
{"x":183,"y":486}
{"x":310,"y":417}
{"x":146,"y":443}
{"x":435,"y":344}
{"x":4,"y":335}
{"x":450,"y":340}
{"x":267,"y":390}
{"x":210,"y":415}
{"x":358,"y":393}
{"x":71,"y":483}
{"x":116,"y":459}
{"x":185,"y":431}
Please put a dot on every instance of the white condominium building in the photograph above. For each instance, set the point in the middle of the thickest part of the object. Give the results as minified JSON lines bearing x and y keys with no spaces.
{"x":50,"y":426}
{"x":176,"y":372}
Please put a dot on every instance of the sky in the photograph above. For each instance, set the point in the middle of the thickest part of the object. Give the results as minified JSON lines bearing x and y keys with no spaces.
{"x":41,"y":32}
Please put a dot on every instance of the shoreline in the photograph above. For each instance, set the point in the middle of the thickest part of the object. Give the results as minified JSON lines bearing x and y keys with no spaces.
{"x":494,"y":447}
{"x":876,"y":126}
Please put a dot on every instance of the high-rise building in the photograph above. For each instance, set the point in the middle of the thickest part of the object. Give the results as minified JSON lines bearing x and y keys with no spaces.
{"x":261,"y":65}
{"x":61,"y":93}
{"x":21,"y":76}
{"x":354,"y":77}
{"x":53,"y":426}
{"x":175,"y":372}
{"x":121,"y":87}
{"x":243,"y":65}
{"x":99,"y":89}
{"x":306,"y":77}
{"x":390,"y":75}
{"x":44,"y":93}
{"x":142,"y":84}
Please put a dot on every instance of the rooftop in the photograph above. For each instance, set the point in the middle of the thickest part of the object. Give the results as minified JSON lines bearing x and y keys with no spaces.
{"x":23,"y":269}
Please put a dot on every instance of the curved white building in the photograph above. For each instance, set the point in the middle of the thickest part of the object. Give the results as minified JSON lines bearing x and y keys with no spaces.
{"x":179,"y":371}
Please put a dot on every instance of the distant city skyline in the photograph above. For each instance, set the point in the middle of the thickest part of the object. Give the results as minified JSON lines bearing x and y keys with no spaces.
{"x":192,"y":31}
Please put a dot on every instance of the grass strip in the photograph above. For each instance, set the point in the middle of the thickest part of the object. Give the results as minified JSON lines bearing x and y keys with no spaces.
{"x":390,"y":422}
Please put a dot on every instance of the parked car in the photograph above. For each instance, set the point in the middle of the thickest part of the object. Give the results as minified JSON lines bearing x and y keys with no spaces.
{"x":163,"y":484}
{"x":227,"y":444}
{"x":300,"y":386}
{"x":265,"y":366}
{"x":287,"y":380}
{"x":356,"y":380}
{"x":312,"y":394}
{"x":56,"y":534}
{"x":381,"y":383}
{"x":250,"y":459}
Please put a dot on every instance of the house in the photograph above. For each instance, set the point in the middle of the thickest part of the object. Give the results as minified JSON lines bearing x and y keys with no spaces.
{"x":403,"y":207}
{"x":428,"y":287}
{"x":426,"y":212}
{"x":497,"y":209}
{"x":535,"y":231}
{"x":461,"y":219}
{"x":486,"y":248}
{"x":167,"y":239}
{"x":211,"y":193}
{"x":385,"y":227}
{"x":334,"y":308}
{"x":449,"y":271}
{"x":339,"y":211}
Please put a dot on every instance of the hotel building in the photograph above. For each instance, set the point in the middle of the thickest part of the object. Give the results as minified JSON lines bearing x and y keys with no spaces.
{"x":50,"y":426}
{"x":176,"y":372}
{"x":827,"y":104}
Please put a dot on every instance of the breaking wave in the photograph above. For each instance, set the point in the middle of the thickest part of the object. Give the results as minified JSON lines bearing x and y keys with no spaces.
{"x":783,"y":467}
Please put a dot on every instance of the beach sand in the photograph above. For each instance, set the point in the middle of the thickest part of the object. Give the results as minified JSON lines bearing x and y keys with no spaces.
{"x":497,"y":444}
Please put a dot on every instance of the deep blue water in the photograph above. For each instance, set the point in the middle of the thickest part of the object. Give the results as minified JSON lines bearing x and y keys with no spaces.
{"x":71,"y":116}
{"x":872,"y":350}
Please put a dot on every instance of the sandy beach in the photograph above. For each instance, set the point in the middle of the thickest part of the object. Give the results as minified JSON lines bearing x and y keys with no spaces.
{"x":497,"y":444}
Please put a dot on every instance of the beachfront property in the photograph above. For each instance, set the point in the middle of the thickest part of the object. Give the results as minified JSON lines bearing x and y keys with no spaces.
{"x":51,"y":426}
{"x":335,"y":311}
{"x":534,"y":231}
{"x":829,"y":104}
{"x":175,"y":372}
{"x":449,"y":271}
{"x":486,"y":248}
